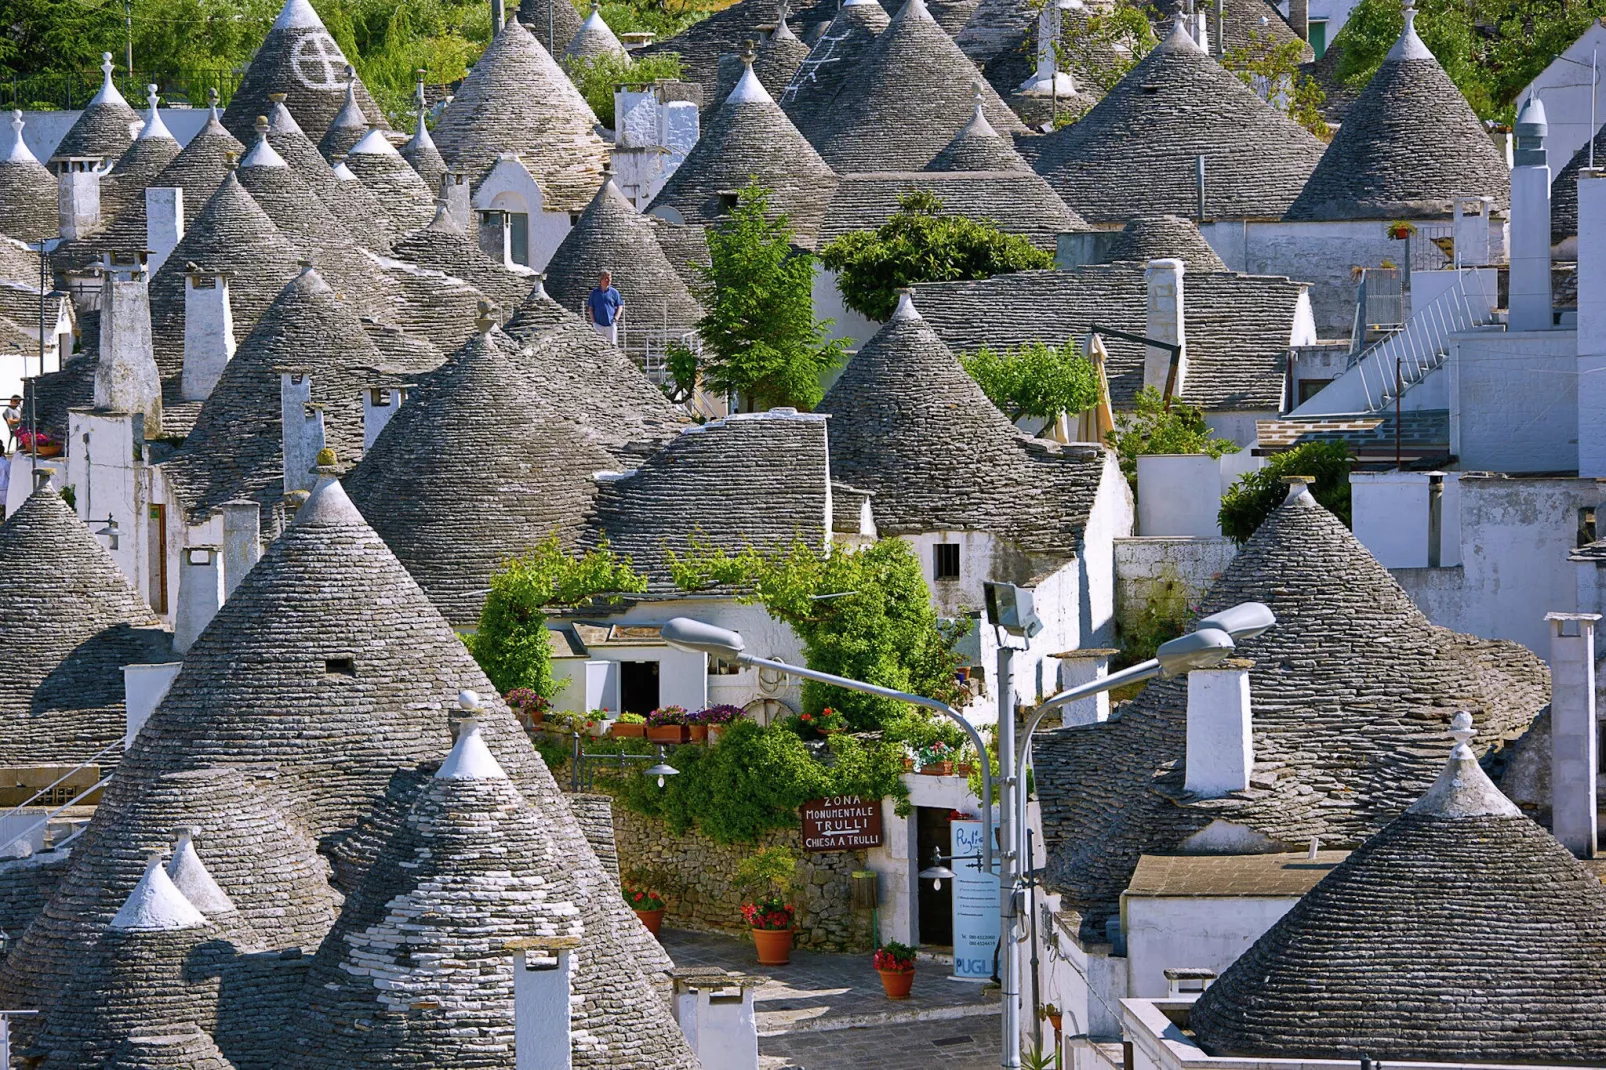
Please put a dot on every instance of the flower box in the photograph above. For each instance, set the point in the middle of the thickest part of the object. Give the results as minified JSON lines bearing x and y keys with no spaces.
{"x":942,"y":768}
{"x":621,"y":730}
{"x":668,"y":733}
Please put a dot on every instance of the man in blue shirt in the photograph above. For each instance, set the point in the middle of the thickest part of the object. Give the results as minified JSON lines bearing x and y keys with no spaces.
{"x":604,"y":306}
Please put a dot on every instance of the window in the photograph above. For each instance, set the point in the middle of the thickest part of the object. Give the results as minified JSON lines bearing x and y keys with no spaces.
{"x":945,"y":561}
{"x":1586,"y":526}
{"x":1318,"y":37}
{"x":340,"y":666}
{"x":720,"y":667}
{"x":518,"y":226}
{"x":1309,"y":388}
{"x":727,"y":203}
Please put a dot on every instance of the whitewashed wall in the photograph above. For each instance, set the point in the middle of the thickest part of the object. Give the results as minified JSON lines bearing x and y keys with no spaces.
{"x":1514,"y":400}
{"x":1165,"y":932}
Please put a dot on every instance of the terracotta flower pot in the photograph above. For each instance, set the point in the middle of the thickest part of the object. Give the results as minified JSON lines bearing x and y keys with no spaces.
{"x":897,"y":982}
{"x":698,"y":733}
{"x":1055,"y":1020}
{"x":620,"y":730}
{"x":774,"y":946}
{"x":652,"y":919}
{"x":908,"y":765}
{"x":667,"y":733}
{"x":945,"y":768}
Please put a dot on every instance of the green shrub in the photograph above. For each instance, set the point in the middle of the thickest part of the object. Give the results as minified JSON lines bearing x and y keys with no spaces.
{"x":1150,"y":427}
{"x":1034,"y":379}
{"x":1250,"y":500}
{"x":598,"y":76}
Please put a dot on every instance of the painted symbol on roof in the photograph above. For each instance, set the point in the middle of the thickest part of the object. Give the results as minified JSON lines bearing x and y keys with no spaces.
{"x":318,"y":64}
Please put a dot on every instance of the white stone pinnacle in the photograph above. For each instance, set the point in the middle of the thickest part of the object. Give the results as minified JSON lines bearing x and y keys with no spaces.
{"x":191,"y":877}
{"x":297,"y":15}
{"x":156,"y":904}
{"x":19,"y":152}
{"x":470,"y":759}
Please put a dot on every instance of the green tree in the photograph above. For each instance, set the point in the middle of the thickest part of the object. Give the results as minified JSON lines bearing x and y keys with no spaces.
{"x":761,"y":341}
{"x":1272,"y":71}
{"x":864,"y":614}
{"x":598,"y":76}
{"x":1250,"y":500}
{"x":511,"y":643}
{"x":1151,"y":427}
{"x":1034,"y":380}
{"x":1103,"y":45}
{"x":920,"y":244}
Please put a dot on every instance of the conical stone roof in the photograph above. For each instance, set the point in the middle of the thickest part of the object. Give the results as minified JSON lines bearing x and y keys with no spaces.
{"x":1460,"y":933}
{"x":150,"y":153}
{"x":1351,"y":692}
{"x":1134,"y":153}
{"x":231,"y":233}
{"x":779,"y":58}
{"x":593,"y":39}
{"x":702,"y":45}
{"x":178,"y":1048}
{"x":200,"y":167}
{"x":470,"y":869}
{"x":1564,"y":192}
{"x":1158,"y":237}
{"x":1408,"y":146}
{"x":750,"y":139}
{"x":349,"y":125}
{"x":444,"y":246}
{"x":71,"y":623}
{"x":978,"y":147}
{"x":106,"y":127}
{"x":898,"y":103}
{"x":517,"y":99}
{"x":908,"y":424}
{"x":612,"y":236}
{"x":349,"y":202}
{"x":236,"y":448}
{"x":552,"y":22}
{"x":301,"y":60}
{"x":420,"y":150}
{"x":27,"y":189}
{"x":836,"y":53}
{"x":392,"y":181}
{"x":484,"y":426}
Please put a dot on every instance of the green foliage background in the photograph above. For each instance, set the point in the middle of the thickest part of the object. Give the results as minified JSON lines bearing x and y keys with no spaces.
{"x":1150,"y":428}
{"x":1250,"y":500}
{"x":596,"y":77}
{"x":1034,"y":379}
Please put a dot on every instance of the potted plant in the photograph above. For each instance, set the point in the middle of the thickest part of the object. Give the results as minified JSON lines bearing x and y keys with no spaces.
{"x":647,"y":902}
{"x":936,"y":759}
{"x":1401,"y":230}
{"x":696,"y":727}
{"x":827,"y":722}
{"x":599,"y":723}
{"x":766,"y":877}
{"x":667,"y":724}
{"x":1052,"y":1013}
{"x":528,"y":705}
{"x":717,"y":717}
{"x":895,"y":963}
{"x":629,"y":726}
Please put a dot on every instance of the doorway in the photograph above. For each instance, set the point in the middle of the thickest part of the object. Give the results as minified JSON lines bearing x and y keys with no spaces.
{"x":638,"y":686}
{"x":936,"y":905}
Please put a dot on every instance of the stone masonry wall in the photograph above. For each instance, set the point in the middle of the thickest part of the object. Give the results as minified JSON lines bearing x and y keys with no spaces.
{"x":705,"y":898}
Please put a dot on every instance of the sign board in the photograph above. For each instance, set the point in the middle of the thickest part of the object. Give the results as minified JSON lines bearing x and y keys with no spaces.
{"x":975,"y":904}
{"x":841,"y":823}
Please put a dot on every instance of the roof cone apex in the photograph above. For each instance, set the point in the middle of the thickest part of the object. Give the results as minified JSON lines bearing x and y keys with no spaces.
{"x":470,"y":759}
{"x":108,"y":90}
{"x":263,"y":154}
{"x":156,"y":904}
{"x":191,"y":877}
{"x":328,"y":505}
{"x":1409,"y":45}
{"x":1179,"y":38}
{"x":915,"y":9}
{"x":280,"y":121}
{"x":19,"y":151}
{"x":1463,"y":788}
{"x":906,"y":307}
{"x":154,"y":129}
{"x":749,"y":90}
{"x":297,"y":15}
{"x":374,"y":143}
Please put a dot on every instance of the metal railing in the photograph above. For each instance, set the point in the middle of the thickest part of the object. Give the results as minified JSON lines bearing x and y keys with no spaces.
{"x":1379,"y":304}
{"x":93,"y":762}
{"x":1423,"y":343}
{"x":1432,"y":247}
{"x":66,"y":90}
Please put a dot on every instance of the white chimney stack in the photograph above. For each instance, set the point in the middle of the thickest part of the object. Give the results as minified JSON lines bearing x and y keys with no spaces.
{"x":1591,"y":378}
{"x":200,"y":593}
{"x":302,"y":429}
{"x":208,"y":330}
{"x":1530,"y":301}
{"x":1220,"y":749}
{"x":164,"y":223}
{"x":1573,"y":740}
{"x":126,"y":379}
{"x":715,"y":1011}
{"x":379,"y":404}
{"x":144,"y":688}
{"x":78,"y":196}
{"x":242,"y":541}
{"x":542,"y":968}
{"x":1165,"y":324}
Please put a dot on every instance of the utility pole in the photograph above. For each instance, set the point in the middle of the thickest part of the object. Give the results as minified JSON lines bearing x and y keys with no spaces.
{"x":128,"y":25}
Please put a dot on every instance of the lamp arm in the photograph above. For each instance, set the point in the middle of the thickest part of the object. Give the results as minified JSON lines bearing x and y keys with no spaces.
{"x":917,"y":700}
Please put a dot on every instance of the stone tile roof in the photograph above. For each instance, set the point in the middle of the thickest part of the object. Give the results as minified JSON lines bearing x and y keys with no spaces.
{"x":106,"y":127}
{"x":1238,"y":326}
{"x":1158,"y":237}
{"x":754,"y":479}
{"x":722,"y":33}
{"x":231,"y":233}
{"x":1134,"y":152}
{"x":349,"y":125}
{"x":178,"y":1048}
{"x":420,"y":151}
{"x":517,"y":99}
{"x":350,"y":202}
{"x":1243,"y":18}
{"x":808,"y":96}
{"x":1231,"y":876}
{"x":27,"y":190}
{"x":1018,"y":202}
{"x":443,"y":246}
{"x":235,"y":451}
{"x":1423,"y":433}
{"x":911,"y":427}
{"x":978,"y":147}
{"x":896,"y":107}
{"x":1564,"y":190}
{"x":200,"y":167}
{"x":1408,"y":146}
{"x":747,"y":139}
{"x":430,"y":305}
{"x":1460,"y":933}
{"x":301,"y":60}
{"x":565,"y":22}
{"x":123,"y":188}
{"x":612,"y":236}
{"x":394,"y":184}
{"x":779,"y":57}
{"x":1340,"y":95}
{"x":71,"y":623}
{"x":1351,"y":691}
{"x":593,"y":39}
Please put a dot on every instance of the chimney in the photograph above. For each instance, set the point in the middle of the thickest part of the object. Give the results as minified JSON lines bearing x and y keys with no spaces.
{"x":1573,"y":740}
{"x":126,"y":379}
{"x":78,"y":196}
{"x":1591,"y":377}
{"x":200,"y":593}
{"x":1078,"y":667}
{"x":164,"y":223}
{"x":303,"y":429}
{"x":496,"y":237}
{"x":1299,"y":18}
{"x":208,"y":330}
{"x":498,"y":16}
{"x":144,"y":688}
{"x":379,"y":404}
{"x":454,"y":191}
{"x":542,"y":968}
{"x":242,"y":541}
{"x":1165,"y":324}
{"x":1220,"y":750}
{"x":715,"y":1010}
{"x":1530,"y":223}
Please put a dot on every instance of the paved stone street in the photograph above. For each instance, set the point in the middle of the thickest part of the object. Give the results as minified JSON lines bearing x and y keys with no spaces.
{"x":828,"y":1012}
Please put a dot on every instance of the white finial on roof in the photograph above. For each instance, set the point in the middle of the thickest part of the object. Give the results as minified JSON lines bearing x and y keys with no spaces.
{"x":156,"y":904}
{"x":906,"y":305}
{"x":470,"y":759}
{"x":1409,"y":45}
{"x":262,"y":154}
{"x":19,"y":152}
{"x":108,"y":89}
{"x":297,"y":15}
{"x":749,"y":90}
{"x":154,"y":129}
{"x":280,"y":121}
{"x":373,"y":143}
{"x":915,"y":9}
{"x":344,"y":173}
{"x":1463,"y":788}
{"x":211,"y":101}
{"x":782,"y":30}
{"x":1298,"y":487}
{"x":191,"y":877}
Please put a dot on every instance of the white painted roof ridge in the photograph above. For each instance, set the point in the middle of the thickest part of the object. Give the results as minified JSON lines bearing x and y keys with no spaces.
{"x":1463,"y":788}
{"x":470,"y":759}
{"x":280,"y":121}
{"x":374,"y":143}
{"x":1409,"y":45}
{"x":156,"y":904}
{"x":108,"y":93}
{"x":297,"y":15}
{"x":18,"y":152}
{"x":194,"y":880}
{"x":154,"y":129}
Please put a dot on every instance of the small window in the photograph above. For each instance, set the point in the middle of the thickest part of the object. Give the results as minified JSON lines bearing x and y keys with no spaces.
{"x":945,"y":561}
{"x":340,"y":666}
{"x":721,"y":667}
{"x":727,"y":203}
{"x":1586,"y":526}
{"x":518,"y":224}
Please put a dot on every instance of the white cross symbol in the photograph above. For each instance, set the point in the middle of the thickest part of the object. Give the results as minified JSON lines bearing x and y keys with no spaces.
{"x":316,"y":54}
